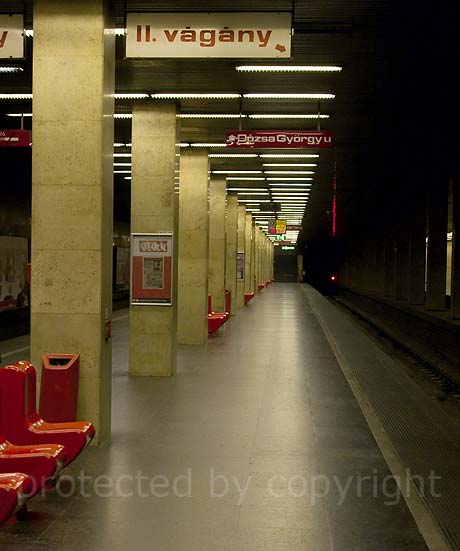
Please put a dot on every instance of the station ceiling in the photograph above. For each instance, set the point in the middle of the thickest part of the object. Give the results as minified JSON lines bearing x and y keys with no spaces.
{"x":347,"y":34}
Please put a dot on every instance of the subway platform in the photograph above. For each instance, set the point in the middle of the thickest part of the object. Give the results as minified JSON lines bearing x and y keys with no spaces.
{"x":291,"y":431}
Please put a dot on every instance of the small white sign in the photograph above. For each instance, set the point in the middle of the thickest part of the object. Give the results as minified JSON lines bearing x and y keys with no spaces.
{"x":11,"y":36}
{"x":220,"y":35}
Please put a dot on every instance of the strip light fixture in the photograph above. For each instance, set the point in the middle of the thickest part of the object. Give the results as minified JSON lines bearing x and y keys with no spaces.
{"x":244,"y":178}
{"x":19,"y":115}
{"x":289,"y":68}
{"x":199,"y":144}
{"x":290,"y":164}
{"x":287,"y":116}
{"x":129,"y":95}
{"x":233,"y":155}
{"x":288,"y":172}
{"x":10,"y":69}
{"x":211,"y":116}
{"x":288,"y":155}
{"x":194,"y":96}
{"x":288,"y":96}
{"x":289,"y":179}
{"x":15,"y":96}
{"x":123,"y":116}
{"x":125,"y":155}
{"x":236,"y":172}
{"x":247,"y":189}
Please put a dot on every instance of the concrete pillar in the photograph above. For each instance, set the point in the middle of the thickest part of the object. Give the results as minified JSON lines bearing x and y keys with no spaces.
{"x":218,"y":190}
{"x":252,"y":285}
{"x":248,"y":250}
{"x":455,"y":274}
{"x":241,"y":264}
{"x":192,"y":325}
{"x":231,"y":238}
{"x":72,"y":195}
{"x":437,"y":245}
{"x":152,"y":340}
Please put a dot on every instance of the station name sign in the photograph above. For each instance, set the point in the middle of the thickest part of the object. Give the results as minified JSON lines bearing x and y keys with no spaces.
{"x":303,"y":139}
{"x":219,"y":35}
{"x":11,"y":37}
{"x":14,"y":138}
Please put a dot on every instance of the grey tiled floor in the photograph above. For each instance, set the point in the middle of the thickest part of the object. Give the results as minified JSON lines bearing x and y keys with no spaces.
{"x":267,"y":410}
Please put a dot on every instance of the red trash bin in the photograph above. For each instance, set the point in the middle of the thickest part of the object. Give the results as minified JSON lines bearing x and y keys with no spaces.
{"x":59,"y":387}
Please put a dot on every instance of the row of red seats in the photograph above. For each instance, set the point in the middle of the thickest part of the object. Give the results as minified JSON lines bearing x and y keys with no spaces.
{"x":217,"y":319}
{"x":32,"y":451}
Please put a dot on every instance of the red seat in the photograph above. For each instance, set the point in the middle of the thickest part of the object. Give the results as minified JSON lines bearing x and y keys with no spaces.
{"x":15,"y":488}
{"x":21,"y":424}
{"x":260,"y":286}
{"x":41,"y":463}
{"x":248,"y":297}
{"x":216,"y":319}
{"x":268,"y":282}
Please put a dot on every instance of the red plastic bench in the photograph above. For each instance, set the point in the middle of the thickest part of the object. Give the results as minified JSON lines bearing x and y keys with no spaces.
{"x":21,"y":424}
{"x":248,"y":297}
{"x":215,"y":319}
{"x":15,"y":488}
{"x":40,"y":462}
{"x":260,"y":286}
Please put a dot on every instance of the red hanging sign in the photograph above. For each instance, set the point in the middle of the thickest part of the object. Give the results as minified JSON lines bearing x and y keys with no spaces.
{"x":292,"y":139}
{"x":14,"y":138}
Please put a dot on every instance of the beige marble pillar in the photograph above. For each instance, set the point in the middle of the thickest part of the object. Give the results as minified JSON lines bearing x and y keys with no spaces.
{"x":152,"y":346}
{"x":231,"y":238}
{"x":217,"y":193}
{"x":192,"y":326}
{"x":241,"y":251}
{"x":248,"y":250}
{"x":72,"y":195}
{"x":253,"y":286}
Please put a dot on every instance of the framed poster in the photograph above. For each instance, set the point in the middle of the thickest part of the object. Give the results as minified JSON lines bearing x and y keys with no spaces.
{"x":151,"y":269}
{"x":240,"y":266}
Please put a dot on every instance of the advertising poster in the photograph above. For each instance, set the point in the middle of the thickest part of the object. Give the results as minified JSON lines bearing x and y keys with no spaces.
{"x":14,"y":291}
{"x":240,"y":266}
{"x":151,"y":268}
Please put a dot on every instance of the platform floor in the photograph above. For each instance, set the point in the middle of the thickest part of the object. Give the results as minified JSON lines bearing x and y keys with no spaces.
{"x":267,"y":414}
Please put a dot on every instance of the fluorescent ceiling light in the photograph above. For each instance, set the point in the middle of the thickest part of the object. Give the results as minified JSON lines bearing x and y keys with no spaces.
{"x":288,"y":172}
{"x":120,"y":144}
{"x":253,"y":193}
{"x":127,"y":178}
{"x":194,"y":96}
{"x":289,"y":190}
{"x":290,"y":68}
{"x":19,"y":114}
{"x":122,"y":164}
{"x":15,"y":96}
{"x":232,"y":155}
{"x":288,"y":96}
{"x":183,"y":144}
{"x":273,"y":185}
{"x":247,"y":189}
{"x":128,"y":95}
{"x":122,"y":172}
{"x":253,"y":201}
{"x":123,"y":116}
{"x":236,"y":172}
{"x":10,"y":69}
{"x":244,"y":178}
{"x":289,"y":179}
{"x":287,"y":116}
{"x":198,"y":144}
{"x":289,"y":164}
{"x":289,"y":155}
{"x":211,"y":116}
{"x":125,"y":155}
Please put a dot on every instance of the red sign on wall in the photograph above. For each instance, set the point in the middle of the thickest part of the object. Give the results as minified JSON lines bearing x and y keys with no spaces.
{"x":14,"y":138}
{"x":294,"y":139}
